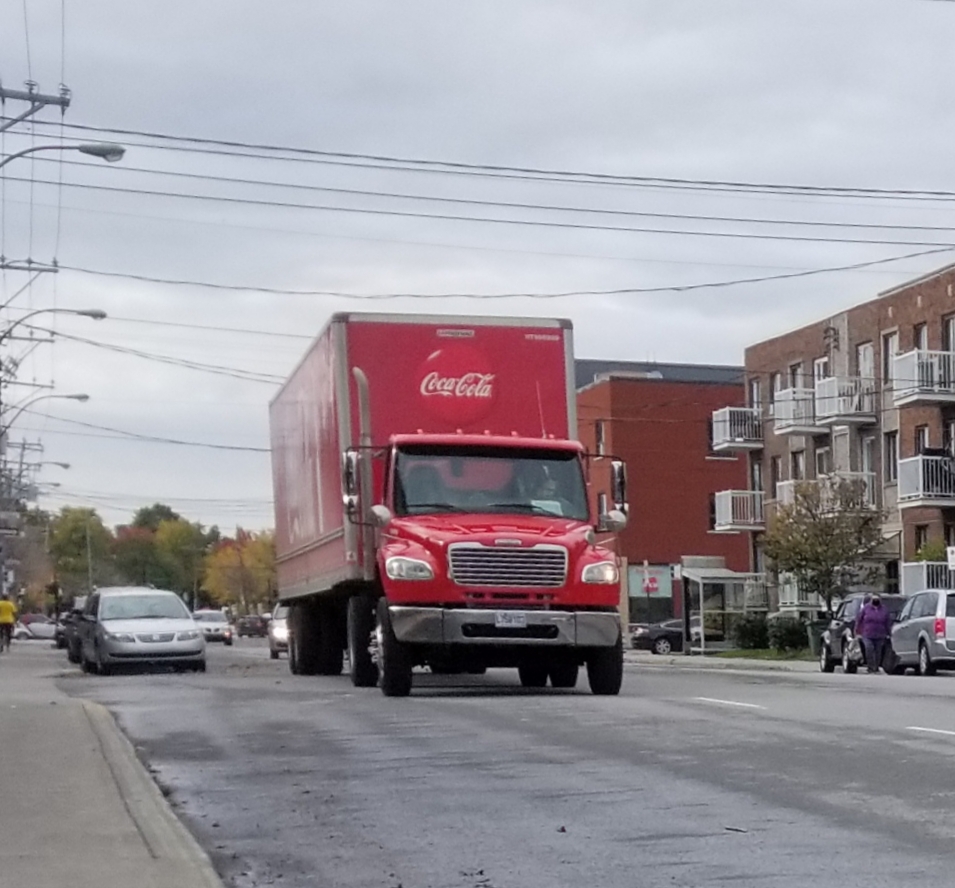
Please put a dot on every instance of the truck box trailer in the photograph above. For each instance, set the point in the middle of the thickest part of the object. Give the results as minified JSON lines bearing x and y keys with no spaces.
{"x":432,"y":507}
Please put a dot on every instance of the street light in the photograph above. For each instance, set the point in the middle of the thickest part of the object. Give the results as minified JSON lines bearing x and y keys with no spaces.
{"x":97,"y":314}
{"x":108,"y":151}
{"x":20,"y":408}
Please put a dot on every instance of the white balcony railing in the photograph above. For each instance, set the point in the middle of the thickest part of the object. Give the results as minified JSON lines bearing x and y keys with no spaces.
{"x":737,"y":428}
{"x":919,"y":575}
{"x":786,"y":490}
{"x":845,"y":399}
{"x":921,"y":375}
{"x":791,"y":597}
{"x":739,"y":510}
{"x":927,"y":480}
{"x":795,"y":412}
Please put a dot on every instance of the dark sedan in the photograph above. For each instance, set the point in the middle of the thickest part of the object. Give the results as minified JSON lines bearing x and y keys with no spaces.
{"x":252,"y":626}
{"x":661,"y":638}
{"x":836,"y":646}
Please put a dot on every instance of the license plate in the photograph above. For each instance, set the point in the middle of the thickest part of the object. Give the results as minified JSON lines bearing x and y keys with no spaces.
{"x":510,"y":620}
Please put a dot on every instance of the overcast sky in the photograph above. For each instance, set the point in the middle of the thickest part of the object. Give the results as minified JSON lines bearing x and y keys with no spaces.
{"x":848,"y":94}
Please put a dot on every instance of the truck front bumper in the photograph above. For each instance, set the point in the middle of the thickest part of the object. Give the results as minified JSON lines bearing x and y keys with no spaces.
{"x":435,"y":625}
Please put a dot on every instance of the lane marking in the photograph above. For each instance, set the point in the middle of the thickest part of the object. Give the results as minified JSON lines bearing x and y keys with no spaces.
{"x":728,"y":702}
{"x":931,"y":731}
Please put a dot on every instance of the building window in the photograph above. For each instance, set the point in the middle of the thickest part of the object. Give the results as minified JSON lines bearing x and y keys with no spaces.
{"x":798,"y":465}
{"x":948,"y":333}
{"x":756,"y":473}
{"x":921,"y":537}
{"x":865,"y":360}
{"x":921,"y":439}
{"x":709,"y":437}
{"x":820,"y":368}
{"x":712,"y":524}
{"x":601,"y":446}
{"x":920,"y":337}
{"x":775,"y":386}
{"x":754,"y":399}
{"x":890,"y":348}
{"x":823,"y":462}
{"x":948,"y":436}
{"x":891,"y":457}
{"x":795,"y":376}
{"x":775,"y":473}
{"x":950,"y":535}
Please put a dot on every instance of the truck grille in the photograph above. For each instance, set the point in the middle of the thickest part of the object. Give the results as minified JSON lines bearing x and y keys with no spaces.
{"x":536,"y":567}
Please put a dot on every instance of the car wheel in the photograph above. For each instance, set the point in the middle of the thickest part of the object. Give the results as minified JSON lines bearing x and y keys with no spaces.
{"x":102,"y":668}
{"x":564,"y":674}
{"x":926,"y":666}
{"x":848,"y":666}
{"x":662,"y":646}
{"x":273,"y":654}
{"x":200,"y":666}
{"x":228,"y":642}
{"x":826,"y":663}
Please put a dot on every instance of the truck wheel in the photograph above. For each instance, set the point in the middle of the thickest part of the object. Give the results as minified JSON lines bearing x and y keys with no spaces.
{"x":533,"y":675}
{"x":564,"y":674}
{"x":304,"y":639}
{"x":292,"y":655}
{"x":331,"y":638}
{"x":361,"y":625}
{"x":605,"y":669}
{"x":394,"y":660}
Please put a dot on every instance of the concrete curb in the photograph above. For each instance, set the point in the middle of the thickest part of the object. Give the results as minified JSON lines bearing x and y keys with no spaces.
{"x":162,"y":832}
{"x":704,"y":664}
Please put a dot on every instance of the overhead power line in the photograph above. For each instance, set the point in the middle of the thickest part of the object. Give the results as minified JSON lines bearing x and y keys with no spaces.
{"x":619,"y":291}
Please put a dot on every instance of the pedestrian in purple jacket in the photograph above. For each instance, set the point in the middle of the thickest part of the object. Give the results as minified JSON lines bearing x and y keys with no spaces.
{"x":873,"y":627}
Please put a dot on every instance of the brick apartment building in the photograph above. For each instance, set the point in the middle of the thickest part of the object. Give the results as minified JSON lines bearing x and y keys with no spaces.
{"x":869,"y":394}
{"x":657,"y":417}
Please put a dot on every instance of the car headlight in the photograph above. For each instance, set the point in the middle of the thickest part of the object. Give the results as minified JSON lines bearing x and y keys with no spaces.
{"x":122,"y":637}
{"x":603,"y":572}
{"x":400,"y":568}
{"x":280,"y":633}
{"x":189,"y":635}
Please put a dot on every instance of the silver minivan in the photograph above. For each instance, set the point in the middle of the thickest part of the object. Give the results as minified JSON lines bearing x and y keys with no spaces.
{"x":924,"y":634}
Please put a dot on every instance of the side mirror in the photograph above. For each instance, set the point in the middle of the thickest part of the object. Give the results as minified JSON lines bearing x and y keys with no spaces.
{"x":382,"y":514}
{"x":350,"y":484}
{"x":618,"y":485}
{"x":612,"y":522}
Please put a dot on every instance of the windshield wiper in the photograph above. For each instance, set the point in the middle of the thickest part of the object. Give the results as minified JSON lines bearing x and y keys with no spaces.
{"x":444,"y":507}
{"x":533,"y":508}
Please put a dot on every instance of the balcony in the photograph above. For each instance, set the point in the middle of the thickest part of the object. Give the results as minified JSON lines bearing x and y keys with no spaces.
{"x":794,"y":412}
{"x":786,"y":490}
{"x":927,"y":481}
{"x":919,"y":575}
{"x":792,"y":598}
{"x":737,"y":428}
{"x":924,"y":376}
{"x":739,"y":510}
{"x":841,"y":400}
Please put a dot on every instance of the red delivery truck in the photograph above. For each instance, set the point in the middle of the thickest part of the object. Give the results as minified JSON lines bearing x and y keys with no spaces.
{"x":432,"y":507}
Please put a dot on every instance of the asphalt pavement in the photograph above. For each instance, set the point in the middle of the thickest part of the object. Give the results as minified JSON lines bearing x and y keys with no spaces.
{"x":694,"y":776}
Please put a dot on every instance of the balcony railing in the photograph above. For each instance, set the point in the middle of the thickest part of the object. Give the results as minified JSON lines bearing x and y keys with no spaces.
{"x":739,"y":510}
{"x":921,"y":375}
{"x":919,"y":575}
{"x":737,"y":428}
{"x":791,"y":597}
{"x":845,"y":399}
{"x":786,"y":490}
{"x":795,"y":412}
{"x":927,"y":481}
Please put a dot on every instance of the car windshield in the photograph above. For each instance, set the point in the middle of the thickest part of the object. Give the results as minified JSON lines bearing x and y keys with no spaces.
{"x":281,"y":613}
{"x":211,"y":617}
{"x":432,"y":479}
{"x":140,"y":607}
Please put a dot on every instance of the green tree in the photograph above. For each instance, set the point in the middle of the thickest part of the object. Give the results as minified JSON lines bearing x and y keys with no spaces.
{"x":152,"y":516}
{"x":825,"y":539}
{"x":80,"y":548}
{"x":138,"y":559}
{"x":182,"y":546}
{"x":241,"y":571}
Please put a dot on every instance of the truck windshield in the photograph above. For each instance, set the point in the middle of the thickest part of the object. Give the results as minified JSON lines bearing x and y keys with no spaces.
{"x":431,"y":479}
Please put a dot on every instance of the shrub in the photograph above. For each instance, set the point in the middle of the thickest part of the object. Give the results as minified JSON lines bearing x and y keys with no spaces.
{"x":787,"y":634}
{"x":751,"y":632}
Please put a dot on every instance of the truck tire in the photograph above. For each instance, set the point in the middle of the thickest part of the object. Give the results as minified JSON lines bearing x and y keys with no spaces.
{"x":304,"y":641}
{"x":394,"y":660}
{"x":533,"y":675}
{"x":361,"y":624}
{"x":563,"y":674}
{"x":331,"y":638}
{"x":605,"y":669}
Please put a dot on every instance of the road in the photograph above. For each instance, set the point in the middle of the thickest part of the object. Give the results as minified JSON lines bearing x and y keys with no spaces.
{"x":689,"y":778}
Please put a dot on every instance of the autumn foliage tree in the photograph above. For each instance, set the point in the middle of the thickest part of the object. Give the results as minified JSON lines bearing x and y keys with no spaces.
{"x":826,"y":538}
{"x":241,"y":572}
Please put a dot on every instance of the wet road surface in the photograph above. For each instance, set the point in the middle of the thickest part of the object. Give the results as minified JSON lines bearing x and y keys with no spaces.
{"x":689,"y":778}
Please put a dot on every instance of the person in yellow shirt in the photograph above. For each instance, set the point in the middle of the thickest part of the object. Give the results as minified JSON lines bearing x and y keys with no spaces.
{"x":8,"y":616}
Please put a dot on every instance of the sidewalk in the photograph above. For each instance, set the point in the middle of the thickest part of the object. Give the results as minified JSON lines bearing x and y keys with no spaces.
{"x":77,"y":808}
{"x":707,"y":662}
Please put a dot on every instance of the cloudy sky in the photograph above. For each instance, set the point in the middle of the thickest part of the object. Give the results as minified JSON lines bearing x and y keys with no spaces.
{"x":277,"y":151}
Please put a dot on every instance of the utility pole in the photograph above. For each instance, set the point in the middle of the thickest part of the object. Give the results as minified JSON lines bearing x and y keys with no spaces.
{"x":38,"y":101}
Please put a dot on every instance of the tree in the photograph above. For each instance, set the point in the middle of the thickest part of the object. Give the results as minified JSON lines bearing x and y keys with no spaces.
{"x":138,"y":560}
{"x":825,"y":539}
{"x":241,"y":571}
{"x":152,"y":516}
{"x":80,"y":547}
{"x":182,"y":546}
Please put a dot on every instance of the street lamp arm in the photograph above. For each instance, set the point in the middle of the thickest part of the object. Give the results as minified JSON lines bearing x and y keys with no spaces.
{"x":105,"y":150}
{"x":97,"y":314}
{"x":19,"y":410}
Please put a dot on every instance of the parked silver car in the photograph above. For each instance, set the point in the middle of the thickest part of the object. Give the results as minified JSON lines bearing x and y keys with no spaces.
{"x":215,"y":625}
{"x":278,"y":631}
{"x":924,"y":634}
{"x":130,"y":624}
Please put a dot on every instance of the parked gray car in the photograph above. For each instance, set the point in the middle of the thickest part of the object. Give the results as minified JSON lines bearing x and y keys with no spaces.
{"x":924,"y":635}
{"x":124,"y":625}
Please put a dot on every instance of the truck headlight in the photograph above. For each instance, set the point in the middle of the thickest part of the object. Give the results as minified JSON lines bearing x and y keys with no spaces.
{"x":604,"y":572}
{"x":400,"y":568}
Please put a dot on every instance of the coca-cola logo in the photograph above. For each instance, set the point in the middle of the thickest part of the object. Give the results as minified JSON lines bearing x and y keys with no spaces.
{"x":457,"y":384}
